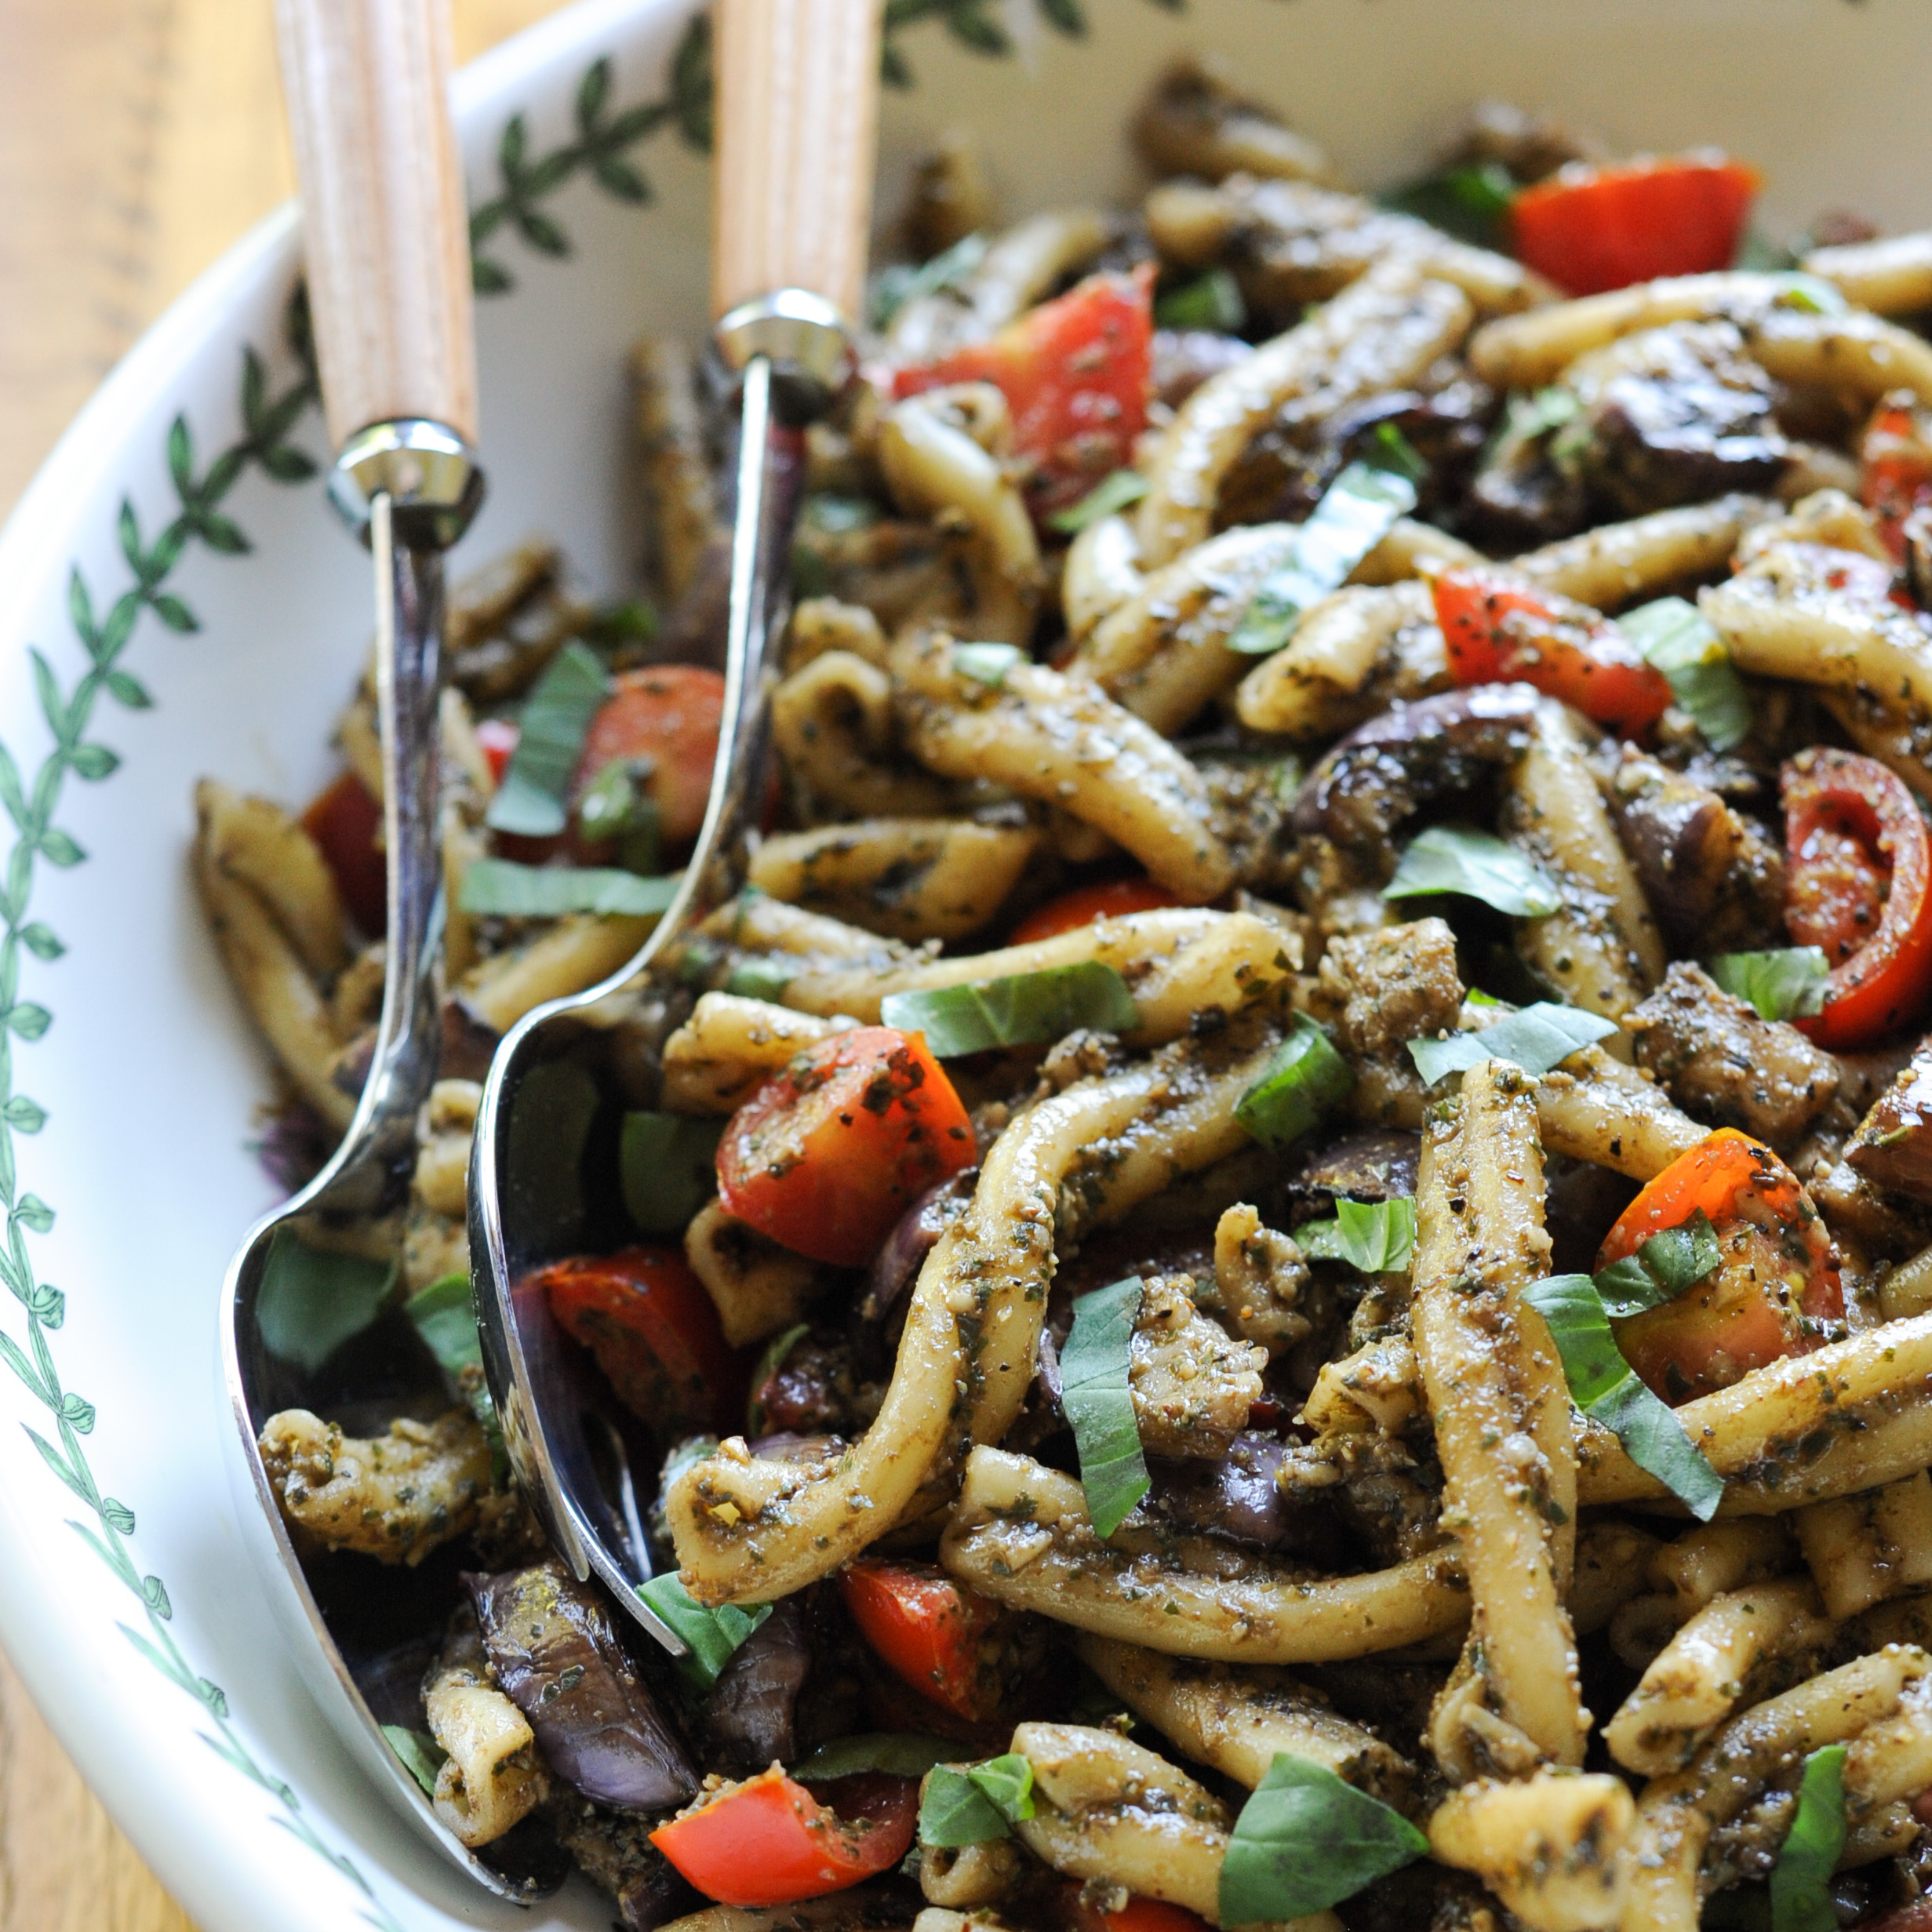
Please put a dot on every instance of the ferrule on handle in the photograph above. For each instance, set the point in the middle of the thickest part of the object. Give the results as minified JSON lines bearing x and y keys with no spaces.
{"x":427,"y":470}
{"x":804,"y":340}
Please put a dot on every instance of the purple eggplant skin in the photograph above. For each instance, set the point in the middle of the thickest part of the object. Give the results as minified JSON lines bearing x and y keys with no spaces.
{"x":555,"y":1648}
{"x":1408,"y":756}
{"x":749,"y":1719}
{"x":907,"y":1245}
{"x":1239,"y":1497}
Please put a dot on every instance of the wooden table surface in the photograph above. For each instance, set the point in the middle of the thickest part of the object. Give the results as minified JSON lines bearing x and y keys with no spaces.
{"x":138,"y":138}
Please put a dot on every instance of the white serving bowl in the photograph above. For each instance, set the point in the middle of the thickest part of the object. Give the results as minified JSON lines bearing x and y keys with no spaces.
{"x":128,"y":1596}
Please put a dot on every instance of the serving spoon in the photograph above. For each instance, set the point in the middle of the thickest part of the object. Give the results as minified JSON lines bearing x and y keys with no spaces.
{"x":386,"y":244}
{"x":797,"y":110}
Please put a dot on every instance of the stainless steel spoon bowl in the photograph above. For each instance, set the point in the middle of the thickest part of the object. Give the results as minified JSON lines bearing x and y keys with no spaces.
{"x":547,"y":1126}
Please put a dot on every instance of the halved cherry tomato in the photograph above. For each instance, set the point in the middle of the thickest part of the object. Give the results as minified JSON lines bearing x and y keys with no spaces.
{"x":655,"y":1333}
{"x":1075,"y":1912}
{"x":497,"y":738}
{"x":1859,"y":881}
{"x":767,"y":1841}
{"x":1895,"y":456}
{"x":346,"y":821}
{"x":1777,"y":1283}
{"x":667,"y":716}
{"x":1589,"y":229}
{"x":1075,"y":372}
{"x":1498,"y":630}
{"x":826,"y":1156}
{"x":933,"y":1632}
{"x":1085,"y":905}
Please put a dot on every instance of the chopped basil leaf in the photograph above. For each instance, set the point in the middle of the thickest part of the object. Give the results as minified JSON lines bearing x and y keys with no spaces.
{"x":953,"y":1810}
{"x":550,"y":741}
{"x":1306,"y":1840}
{"x":1801,"y":1880}
{"x":1661,"y":1269}
{"x":1110,"y":493}
{"x":1602,"y":1385}
{"x":902,"y":283}
{"x":1378,"y":1237}
{"x":547,"y":892}
{"x":1209,"y":301}
{"x":444,"y":1314}
{"x":616,"y":806}
{"x":1008,"y":1781}
{"x":1472,"y":202}
{"x":666,"y":1166}
{"x":1677,"y":639}
{"x":1306,"y":1078}
{"x":898,"y":1753}
{"x":313,"y":1300}
{"x":768,"y":1364}
{"x":759,"y":979}
{"x":1019,"y":1010}
{"x":1095,"y":1396}
{"x":1680,"y":1257}
{"x":710,"y":1635}
{"x":1477,"y":865}
{"x":982,"y":1802}
{"x":1788,"y":984}
{"x":422,"y":1756}
{"x":1811,"y":295}
{"x":986,"y":663}
{"x":617,"y":625}
{"x":1536,"y":1038}
{"x":1356,"y":511}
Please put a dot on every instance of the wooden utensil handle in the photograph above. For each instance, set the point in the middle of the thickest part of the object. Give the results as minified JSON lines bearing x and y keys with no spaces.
{"x":384,"y":226}
{"x":798,"y":119}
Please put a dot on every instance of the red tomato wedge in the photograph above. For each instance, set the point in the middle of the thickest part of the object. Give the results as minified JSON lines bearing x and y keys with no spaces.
{"x":767,"y":1841}
{"x":1859,"y":882}
{"x":1498,"y":630}
{"x":1777,"y":1283}
{"x":1075,"y":373}
{"x":1074,"y":1911}
{"x":1081,"y":907}
{"x":1895,"y":458}
{"x":931,"y":1630}
{"x":1589,"y":229}
{"x":346,"y":822}
{"x":668,"y":715}
{"x":655,"y":1333}
{"x":497,"y":738}
{"x":826,"y":1156}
